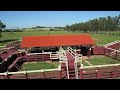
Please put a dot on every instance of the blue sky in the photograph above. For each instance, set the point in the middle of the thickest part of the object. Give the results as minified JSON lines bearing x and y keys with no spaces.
{"x":22,"y":19}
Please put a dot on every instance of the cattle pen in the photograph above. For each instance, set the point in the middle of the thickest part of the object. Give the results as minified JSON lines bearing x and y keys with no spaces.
{"x":68,"y":50}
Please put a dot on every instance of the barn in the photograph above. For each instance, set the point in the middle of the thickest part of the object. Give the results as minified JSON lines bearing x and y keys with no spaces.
{"x":38,"y":44}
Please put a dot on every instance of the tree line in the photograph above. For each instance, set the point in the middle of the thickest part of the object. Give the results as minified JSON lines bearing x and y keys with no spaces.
{"x":37,"y":27}
{"x":97,"y":25}
{"x":2,"y":26}
{"x":102,"y":24}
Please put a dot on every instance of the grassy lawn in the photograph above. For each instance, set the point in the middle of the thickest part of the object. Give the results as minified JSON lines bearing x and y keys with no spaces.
{"x":100,"y":39}
{"x":84,"y":63}
{"x":103,"y":61}
{"x":39,"y":65}
{"x":19,"y":35}
{"x":104,"y":39}
{"x":9,"y":36}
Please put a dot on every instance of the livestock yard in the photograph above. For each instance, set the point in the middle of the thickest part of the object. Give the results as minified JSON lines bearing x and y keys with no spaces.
{"x":59,"y":55}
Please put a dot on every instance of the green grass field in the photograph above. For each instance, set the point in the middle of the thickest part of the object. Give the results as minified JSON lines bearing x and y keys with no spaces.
{"x":101,"y":61}
{"x":100,"y":39}
{"x":39,"y":65}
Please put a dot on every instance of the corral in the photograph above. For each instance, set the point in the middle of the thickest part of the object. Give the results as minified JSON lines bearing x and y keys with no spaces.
{"x":68,"y":50}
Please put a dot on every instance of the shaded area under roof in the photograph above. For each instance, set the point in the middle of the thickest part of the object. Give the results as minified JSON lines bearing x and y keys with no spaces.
{"x":56,"y":40}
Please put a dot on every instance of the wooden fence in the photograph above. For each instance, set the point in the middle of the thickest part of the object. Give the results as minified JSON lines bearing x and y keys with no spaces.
{"x":100,"y":71}
{"x":111,"y":71}
{"x":46,"y":56}
{"x":33,"y":74}
{"x":112,"y":53}
{"x":15,"y":44}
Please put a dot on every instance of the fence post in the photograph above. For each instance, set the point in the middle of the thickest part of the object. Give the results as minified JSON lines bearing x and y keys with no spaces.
{"x":114,"y":72}
{"x":6,"y":76}
{"x":98,"y":73}
{"x":43,"y":74}
{"x":88,"y":54}
{"x":27,"y":58}
{"x":26,"y":76}
{"x":81,"y":73}
{"x":116,"y":55}
{"x":36,"y":57}
{"x":59,"y":74}
{"x":109,"y":53}
{"x":50,"y":56}
{"x":104,"y":51}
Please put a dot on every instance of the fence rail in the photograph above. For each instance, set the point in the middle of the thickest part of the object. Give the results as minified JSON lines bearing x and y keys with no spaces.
{"x":78,"y":59}
{"x":99,"y":71}
{"x":2,"y":46}
{"x":96,"y":66}
{"x":112,"y":53}
{"x":117,"y":41}
{"x":6,"y":48}
{"x":6,"y":74}
{"x":41,"y":56}
{"x":63,"y":59}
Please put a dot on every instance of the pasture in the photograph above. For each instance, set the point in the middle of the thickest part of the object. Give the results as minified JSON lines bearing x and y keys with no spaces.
{"x":100,"y":39}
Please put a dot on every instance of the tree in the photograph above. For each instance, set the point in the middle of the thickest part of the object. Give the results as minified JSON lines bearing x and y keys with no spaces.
{"x":96,"y":25}
{"x":2,"y":26}
{"x":119,"y":22}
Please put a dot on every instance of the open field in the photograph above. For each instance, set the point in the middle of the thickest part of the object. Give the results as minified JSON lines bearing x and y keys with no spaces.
{"x":100,"y":39}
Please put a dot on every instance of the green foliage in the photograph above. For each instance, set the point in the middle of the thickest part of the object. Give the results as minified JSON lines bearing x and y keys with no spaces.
{"x":102,"y":39}
{"x":95,"y":25}
{"x":51,"y":29}
{"x":1,"y":27}
{"x":0,"y":35}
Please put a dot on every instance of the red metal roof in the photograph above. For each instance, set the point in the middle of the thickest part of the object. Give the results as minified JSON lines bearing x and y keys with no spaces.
{"x":56,"y":40}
